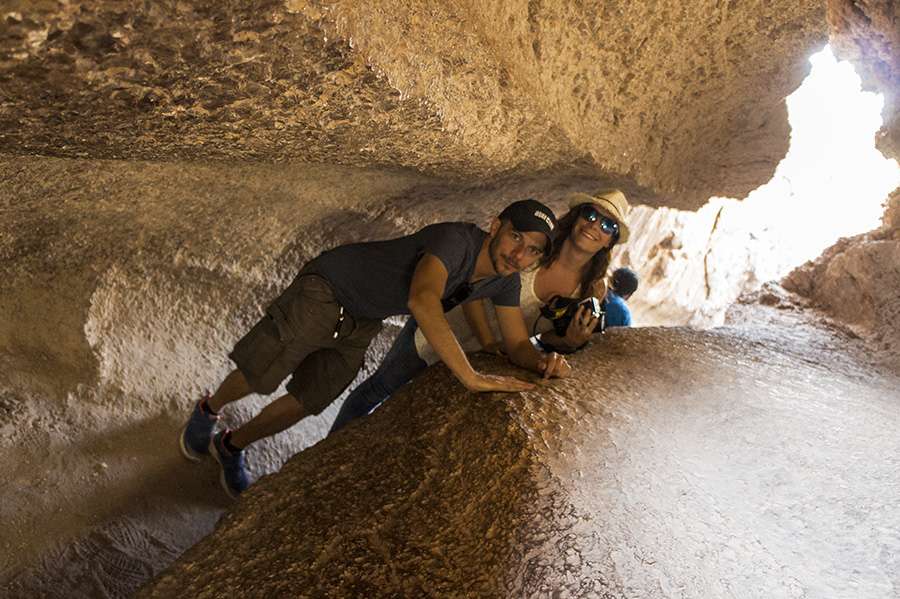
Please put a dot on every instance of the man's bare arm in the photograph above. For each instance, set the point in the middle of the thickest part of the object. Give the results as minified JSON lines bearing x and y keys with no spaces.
{"x":520,"y":349}
{"x":428,"y":283}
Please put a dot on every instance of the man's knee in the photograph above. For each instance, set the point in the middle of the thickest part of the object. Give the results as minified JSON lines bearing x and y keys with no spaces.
{"x":321,"y":378}
{"x":313,"y":396}
{"x":287,"y":407}
{"x":264,"y":386}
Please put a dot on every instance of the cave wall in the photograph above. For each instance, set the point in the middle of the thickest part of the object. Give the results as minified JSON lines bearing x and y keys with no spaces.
{"x":639,"y":87}
{"x":857,"y":282}
{"x":116,"y":272}
{"x":868,"y":35}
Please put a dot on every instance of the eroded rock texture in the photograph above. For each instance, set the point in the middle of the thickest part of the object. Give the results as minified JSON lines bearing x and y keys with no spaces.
{"x":868,"y":34}
{"x":680,"y":101}
{"x":734,"y":462}
{"x":857,"y":281}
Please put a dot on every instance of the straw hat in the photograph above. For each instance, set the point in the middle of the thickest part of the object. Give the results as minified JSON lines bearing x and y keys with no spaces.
{"x":611,"y":202}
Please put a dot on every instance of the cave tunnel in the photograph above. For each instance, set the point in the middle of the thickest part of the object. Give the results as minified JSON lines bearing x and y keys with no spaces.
{"x":167,"y":168}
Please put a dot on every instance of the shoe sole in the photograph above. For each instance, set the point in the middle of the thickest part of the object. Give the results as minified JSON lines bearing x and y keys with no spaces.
{"x":186,"y":451}
{"x":215,"y":454}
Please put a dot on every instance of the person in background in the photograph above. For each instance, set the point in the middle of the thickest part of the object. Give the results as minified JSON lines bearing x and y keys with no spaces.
{"x":623,"y":283}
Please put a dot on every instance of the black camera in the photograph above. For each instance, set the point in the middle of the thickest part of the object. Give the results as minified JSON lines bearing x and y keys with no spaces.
{"x":561,"y":310}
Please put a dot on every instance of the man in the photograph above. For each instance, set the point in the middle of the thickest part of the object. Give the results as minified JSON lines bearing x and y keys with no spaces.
{"x":318,"y":329}
{"x":623,"y":283}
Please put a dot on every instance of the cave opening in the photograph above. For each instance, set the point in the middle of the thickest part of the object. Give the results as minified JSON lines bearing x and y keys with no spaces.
{"x":832,"y":183}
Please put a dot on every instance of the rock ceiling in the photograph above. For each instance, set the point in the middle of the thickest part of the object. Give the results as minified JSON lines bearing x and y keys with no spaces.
{"x":676,"y":101}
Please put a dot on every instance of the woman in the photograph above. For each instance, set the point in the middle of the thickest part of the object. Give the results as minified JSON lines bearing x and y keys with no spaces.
{"x":576,"y":268}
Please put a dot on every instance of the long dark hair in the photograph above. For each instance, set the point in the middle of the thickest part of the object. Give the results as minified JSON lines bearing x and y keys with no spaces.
{"x":599,"y":263}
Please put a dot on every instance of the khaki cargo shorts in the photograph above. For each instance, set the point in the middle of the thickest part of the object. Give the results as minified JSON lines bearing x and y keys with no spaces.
{"x":305,"y":332}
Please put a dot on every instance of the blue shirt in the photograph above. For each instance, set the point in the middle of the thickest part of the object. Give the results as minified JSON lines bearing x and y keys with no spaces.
{"x":617,"y":312}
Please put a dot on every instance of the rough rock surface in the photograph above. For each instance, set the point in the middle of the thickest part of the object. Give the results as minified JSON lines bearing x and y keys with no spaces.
{"x":857,"y":281}
{"x":680,"y":100}
{"x":868,"y":35}
{"x":735,"y":462}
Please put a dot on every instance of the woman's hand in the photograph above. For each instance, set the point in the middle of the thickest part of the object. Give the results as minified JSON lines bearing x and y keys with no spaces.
{"x":580,"y":328}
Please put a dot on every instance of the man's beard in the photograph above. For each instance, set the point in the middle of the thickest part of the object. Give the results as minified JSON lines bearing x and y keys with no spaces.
{"x":493,"y":253}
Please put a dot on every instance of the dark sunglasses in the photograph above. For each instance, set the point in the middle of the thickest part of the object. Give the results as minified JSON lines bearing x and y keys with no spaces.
{"x":592,"y":215}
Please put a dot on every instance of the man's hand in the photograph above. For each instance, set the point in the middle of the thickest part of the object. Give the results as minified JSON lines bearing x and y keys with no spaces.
{"x":553,"y":364}
{"x":490,"y":382}
{"x":580,"y":328}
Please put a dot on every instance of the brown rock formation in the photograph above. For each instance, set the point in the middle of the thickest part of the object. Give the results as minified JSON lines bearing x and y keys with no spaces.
{"x":868,"y":35}
{"x":616,"y":484}
{"x":857,"y":281}
{"x":681,"y":100}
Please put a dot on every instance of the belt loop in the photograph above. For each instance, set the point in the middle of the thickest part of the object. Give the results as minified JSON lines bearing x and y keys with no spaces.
{"x":340,"y":321}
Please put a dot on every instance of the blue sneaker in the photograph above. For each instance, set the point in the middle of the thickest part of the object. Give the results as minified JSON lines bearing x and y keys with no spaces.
{"x":233,"y":475}
{"x":195,"y":436}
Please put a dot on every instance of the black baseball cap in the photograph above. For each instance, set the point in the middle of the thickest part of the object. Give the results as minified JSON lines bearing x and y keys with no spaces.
{"x":531,"y":215}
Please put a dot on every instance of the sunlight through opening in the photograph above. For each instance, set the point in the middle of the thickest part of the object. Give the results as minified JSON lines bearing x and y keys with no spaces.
{"x":832,"y":183}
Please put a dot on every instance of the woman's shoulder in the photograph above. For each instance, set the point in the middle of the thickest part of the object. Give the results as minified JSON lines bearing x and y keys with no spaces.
{"x":528,"y":277}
